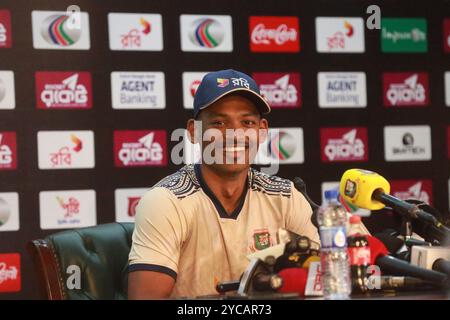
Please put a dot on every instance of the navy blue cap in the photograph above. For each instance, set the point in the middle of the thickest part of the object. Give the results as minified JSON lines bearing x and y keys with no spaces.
{"x":218,"y":84}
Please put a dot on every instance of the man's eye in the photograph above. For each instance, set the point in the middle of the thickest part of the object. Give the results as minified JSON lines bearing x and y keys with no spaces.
{"x":249,"y":122}
{"x":217,"y":123}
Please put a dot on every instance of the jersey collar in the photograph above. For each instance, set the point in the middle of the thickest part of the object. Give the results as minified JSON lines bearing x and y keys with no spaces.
{"x":220,"y":209}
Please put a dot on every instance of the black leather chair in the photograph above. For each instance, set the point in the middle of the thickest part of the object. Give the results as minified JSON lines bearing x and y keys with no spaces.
{"x":100,"y":252}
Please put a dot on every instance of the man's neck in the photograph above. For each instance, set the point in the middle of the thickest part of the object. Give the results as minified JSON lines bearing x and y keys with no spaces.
{"x":228,"y":188}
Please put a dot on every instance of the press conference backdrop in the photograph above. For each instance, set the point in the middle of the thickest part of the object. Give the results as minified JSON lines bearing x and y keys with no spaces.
{"x":88,"y":102}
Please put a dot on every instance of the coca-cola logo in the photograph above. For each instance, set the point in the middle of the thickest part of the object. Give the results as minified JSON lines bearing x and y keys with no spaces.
{"x":359,"y":256}
{"x":7,"y":272}
{"x":274,"y":34}
{"x":280,"y":35}
{"x":343,"y":144}
{"x":10,"y":279}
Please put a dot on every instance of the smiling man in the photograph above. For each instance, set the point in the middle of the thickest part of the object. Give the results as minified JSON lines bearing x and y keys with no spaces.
{"x":195,"y":227}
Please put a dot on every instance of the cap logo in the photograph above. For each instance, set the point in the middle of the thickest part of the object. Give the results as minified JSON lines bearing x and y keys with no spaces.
{"x":222,"y":83}
{"x":240,"y":82}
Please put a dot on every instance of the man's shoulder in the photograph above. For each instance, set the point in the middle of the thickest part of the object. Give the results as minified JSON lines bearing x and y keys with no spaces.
{"x":270,"y":185}
{"x":181,"y":184}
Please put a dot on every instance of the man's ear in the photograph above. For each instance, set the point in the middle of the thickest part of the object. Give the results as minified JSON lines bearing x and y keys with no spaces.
{"x":263,"y":130}
{"x":190,"y":126}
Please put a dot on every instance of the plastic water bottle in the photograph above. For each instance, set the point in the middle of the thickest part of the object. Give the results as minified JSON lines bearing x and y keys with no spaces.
{"x":332,"y":219}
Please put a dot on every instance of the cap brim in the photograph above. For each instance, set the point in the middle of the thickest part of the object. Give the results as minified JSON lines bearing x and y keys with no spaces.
{"x":257,"y":99}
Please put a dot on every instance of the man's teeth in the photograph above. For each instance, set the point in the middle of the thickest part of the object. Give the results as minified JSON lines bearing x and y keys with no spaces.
{"x":234,"y":149}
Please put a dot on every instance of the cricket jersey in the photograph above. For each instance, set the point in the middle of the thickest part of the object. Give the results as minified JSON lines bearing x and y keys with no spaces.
{"x":182,"y":229}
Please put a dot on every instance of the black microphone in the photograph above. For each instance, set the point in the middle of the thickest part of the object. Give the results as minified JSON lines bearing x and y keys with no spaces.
{"x":441,"y":232}
{"x":398,"y":247}
{"x":267,"y":282}
{"x":389,"y":238}
{"x":366,"y":189}
{"x":403,"y":207}
{"x":442,"y":265}
{"x":289,"y":260}
{"x":227,"y":286}
{"x":302,"y":244}
{"x":396,"y":267}
{"x":416,"y":242}
{"x":300,"y":185}
{"x":404,"y":283}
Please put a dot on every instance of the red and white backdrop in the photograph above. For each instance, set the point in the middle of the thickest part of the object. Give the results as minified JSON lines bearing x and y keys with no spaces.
{"x":89,"y":101}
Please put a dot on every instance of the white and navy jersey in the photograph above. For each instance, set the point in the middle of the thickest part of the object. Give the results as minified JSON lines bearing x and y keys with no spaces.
{"x":182,"y":229}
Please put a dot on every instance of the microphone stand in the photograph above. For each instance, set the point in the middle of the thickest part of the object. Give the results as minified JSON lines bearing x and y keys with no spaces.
{"x":406,"y":229}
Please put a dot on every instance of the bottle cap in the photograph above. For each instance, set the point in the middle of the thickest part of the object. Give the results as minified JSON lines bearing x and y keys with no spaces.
{"x":355,"y":219}
{"x":331,"y":194}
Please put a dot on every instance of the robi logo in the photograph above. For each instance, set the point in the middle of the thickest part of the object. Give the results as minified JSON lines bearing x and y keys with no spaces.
{"x":274,"y":34}
{"x":63,"y":90}
{"x":344,"y":144}
{"x":337,"y":40}
{"x":140,"y":148}
{"x":133,"y":37}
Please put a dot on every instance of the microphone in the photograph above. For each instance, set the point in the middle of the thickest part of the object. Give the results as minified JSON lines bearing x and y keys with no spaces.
{"x":226,"y":286}
{"x":302,"y":244}
{"x":398,"y":246}
{"x":404,"y":283}
{"x":416,"y":242}
{"x":434,"y":258}
{"x":300,"y":185}
{"x":267,"y":282}
{"x":396,"y":267}
{"x":294,"y":260}
{"x":391,"y":241}
{"x":369,"y":190}
{"x":405,"y":208}
{"x":442,"y":265}
{"x":294,"y":280}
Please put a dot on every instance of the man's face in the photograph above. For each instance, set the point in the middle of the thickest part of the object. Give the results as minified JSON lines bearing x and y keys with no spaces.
{"x":233,"y":129}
